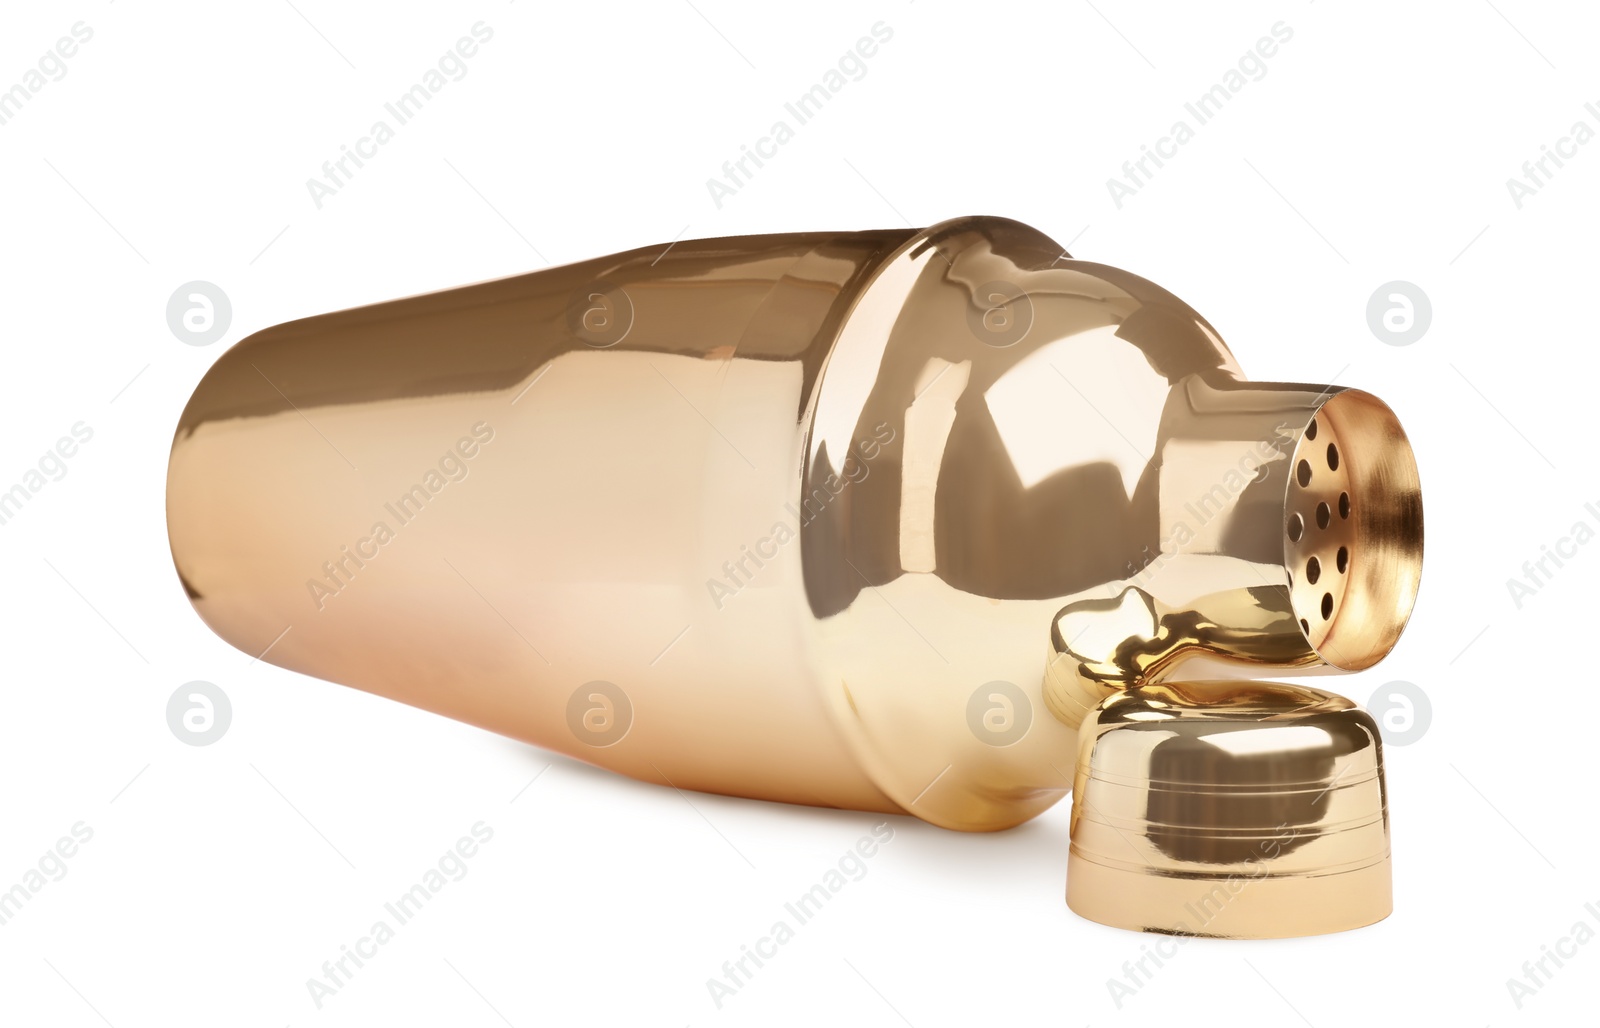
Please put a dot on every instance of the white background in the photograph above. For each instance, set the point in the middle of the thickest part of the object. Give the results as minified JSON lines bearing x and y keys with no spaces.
{"x":220,"y":878}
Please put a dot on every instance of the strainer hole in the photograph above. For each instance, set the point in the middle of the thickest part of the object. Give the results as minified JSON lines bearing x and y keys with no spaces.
{"x":1343,"y":559}
{"x":1311,"y":429}
{"x":1313,"y":570}
{"x":1324,"y":515}
{"x":1303,"y":473}
{"x":1305,"y":627}
{"x":1327,"y":606}
{"x":1333,"y":457}
{"x":1344,"y":505}
{"x":1297,"y":527}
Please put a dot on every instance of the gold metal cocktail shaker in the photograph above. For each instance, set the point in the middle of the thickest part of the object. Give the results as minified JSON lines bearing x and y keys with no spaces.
{"x":870,"y":520}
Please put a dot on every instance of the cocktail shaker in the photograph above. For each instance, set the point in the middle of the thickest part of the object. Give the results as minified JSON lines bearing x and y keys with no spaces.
{"x":870,"y":520}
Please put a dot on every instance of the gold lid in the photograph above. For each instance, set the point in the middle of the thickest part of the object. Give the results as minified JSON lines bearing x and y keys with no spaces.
{"x":1240,"y":810}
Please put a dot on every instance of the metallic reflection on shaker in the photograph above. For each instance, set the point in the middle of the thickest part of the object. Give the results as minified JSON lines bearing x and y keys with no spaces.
{"x":860,"y":519}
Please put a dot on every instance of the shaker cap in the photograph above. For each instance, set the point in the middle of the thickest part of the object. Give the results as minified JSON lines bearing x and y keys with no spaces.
{"x":1231,"y":810}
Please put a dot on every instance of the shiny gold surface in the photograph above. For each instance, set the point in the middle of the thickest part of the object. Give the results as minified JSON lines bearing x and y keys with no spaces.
{"x":1231,"y":810}
{"x":828,"y":518}
{"x":1291,"y":528}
